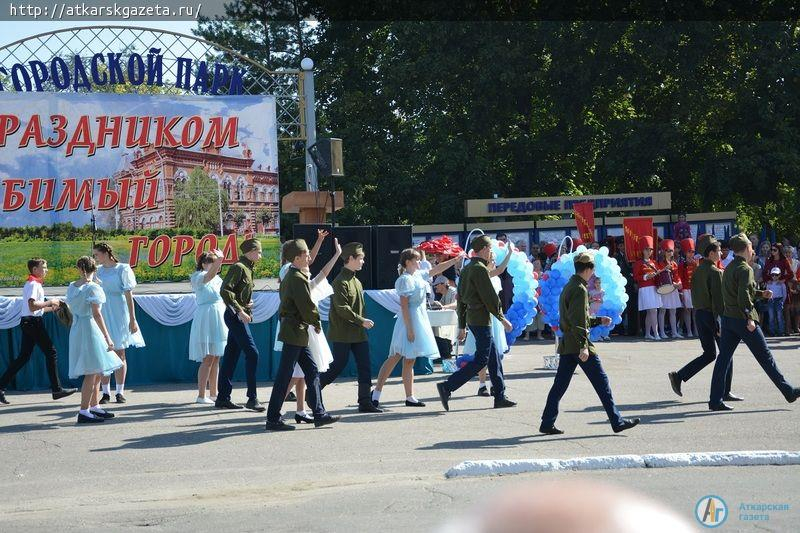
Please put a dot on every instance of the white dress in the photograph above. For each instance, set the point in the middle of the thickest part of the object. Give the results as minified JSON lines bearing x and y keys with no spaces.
{"x":317,"y":342}
{"x":413,"y":286}
{"x":498,"y":333}
{"x":209,"y":334}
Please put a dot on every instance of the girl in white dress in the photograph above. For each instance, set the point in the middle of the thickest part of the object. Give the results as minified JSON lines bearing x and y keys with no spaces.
{"x":91,"y":350}
{"x":118,"y":281}
{"x":209,"y":333}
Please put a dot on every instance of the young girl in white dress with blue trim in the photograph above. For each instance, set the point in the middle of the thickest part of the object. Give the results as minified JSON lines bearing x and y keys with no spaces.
{"x":209,"y":334}
{"x":118,"y":282}
{"x":91,"y":350}
{"x":413,"y":335}
{"x":317,"y":342}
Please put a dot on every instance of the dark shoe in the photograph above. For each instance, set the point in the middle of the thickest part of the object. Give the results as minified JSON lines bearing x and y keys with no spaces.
{"x":63,"y":393}
{"x":105,"y":399}
{"x":720,"y":407}
{"x":375,"y":403}
{"x":255,"y":405}
{"x":325,"y":420}
{"x":552,"y":430}
{"x":290,"y":397}
{"x":105,"y":414}
{"x":300,"y":419}
{"x":444,"y":395}
{"x":482,"y":391}
{"x":627,"y":423}
{"x":227,"y":404}
{"x":794,"y":395}
{"x":371,"y":407}
{"x":675,"y":381}
{"x":280,"y":425}
{"x":730,"y":397}
{"x":499,"y":403}
{"x":418,"y":403}
{"x":120,"y":398}
{"x":3,"y":397}
{"x":83,"y":419}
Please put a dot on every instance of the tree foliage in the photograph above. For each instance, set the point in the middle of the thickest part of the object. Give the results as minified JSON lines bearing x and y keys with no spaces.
{"x":197,"y":201}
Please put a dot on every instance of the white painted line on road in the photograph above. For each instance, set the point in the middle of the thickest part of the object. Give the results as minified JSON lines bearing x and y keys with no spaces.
{"x":617,"y":462}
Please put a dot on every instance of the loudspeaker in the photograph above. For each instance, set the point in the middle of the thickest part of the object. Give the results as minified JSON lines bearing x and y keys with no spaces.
{"x":362,"y":234}
{"x":327,"y":155}
{"x":308,"y":232}
{"x":387,"y":243}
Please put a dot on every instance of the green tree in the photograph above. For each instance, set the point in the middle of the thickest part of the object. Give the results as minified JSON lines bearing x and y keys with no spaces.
{"x":197,"y":201}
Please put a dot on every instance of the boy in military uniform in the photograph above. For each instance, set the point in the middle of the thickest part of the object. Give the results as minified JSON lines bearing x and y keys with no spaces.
{"x":575,"y":349}
{"x":477,"y":301}
{"x":706,"y":289}
{"x":297,"y":312}
{"x":237,"y":292}
{"x":347,"y":326}
{"x":740,"y":323}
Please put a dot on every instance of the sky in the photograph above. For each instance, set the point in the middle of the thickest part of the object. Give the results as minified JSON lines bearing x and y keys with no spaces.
{"x":13,"y":31}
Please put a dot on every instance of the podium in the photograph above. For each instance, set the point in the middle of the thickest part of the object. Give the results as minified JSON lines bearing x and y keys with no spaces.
{"x":312,"y":206}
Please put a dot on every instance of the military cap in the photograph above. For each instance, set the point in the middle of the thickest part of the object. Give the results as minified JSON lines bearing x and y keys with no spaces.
{"x":738,"y":242}
{"x":705,"y":242}
{"x":249,"y":245}
{"x":583,"y":257}
{"x":480,"y":242}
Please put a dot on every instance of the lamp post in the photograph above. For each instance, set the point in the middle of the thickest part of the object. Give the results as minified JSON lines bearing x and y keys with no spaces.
{"x":307,"y":65}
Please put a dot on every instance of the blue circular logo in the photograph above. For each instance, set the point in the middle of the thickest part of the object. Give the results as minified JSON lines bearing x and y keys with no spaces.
{"x":711,"y":511}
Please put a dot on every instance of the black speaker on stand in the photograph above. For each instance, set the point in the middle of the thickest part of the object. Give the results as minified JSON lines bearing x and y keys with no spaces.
{"x":308,"y":232}
{"x":327,"y":156}
{"x":387,"y":243}
{"x":362,"y":234}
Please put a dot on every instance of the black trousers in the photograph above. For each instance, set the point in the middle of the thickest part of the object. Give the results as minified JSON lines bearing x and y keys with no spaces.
{"x":733,"y":331}
{"x":239,"y":339}
{"x":33,"y":334}
{"x":598,"y":378}
{"x":341,"y":354}
{"x":707,"y":330}
{"x":485,"y":355}
{"x":289,"y":356}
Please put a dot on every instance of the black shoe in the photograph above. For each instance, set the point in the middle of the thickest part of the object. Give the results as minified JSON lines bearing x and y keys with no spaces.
{"x":482,"y":391}
{"x":3,"y":397}
{"x":63,"y":393}
{"x":255,"y":405}
{"x":375,"y":403}
{"x":83,"y":419}
{"x":120,"y":398}
{"x":627,"y":423}
{"x":325,"y":420}
{"x":720,"y":407}
{"x":104,"y":414}
{"x":418,"y":403}
{"x":499,"y":403}
{"x":675,"y":381}
{"x":444,"y":395}
{"x":105,"y":399}
{"x":227,"y":404}
{"x":371,"y":407}
{"x":552,"y":430}
{"x":290,"y":397}
{"x":280,"y":425}
{"x":303,"y":418}
{"x":730,"y":397}
{"x":795,"y":394}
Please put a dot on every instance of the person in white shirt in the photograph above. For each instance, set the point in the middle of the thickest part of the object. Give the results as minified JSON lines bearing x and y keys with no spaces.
{"x":775,"y":304}
{"x":34,"y":332}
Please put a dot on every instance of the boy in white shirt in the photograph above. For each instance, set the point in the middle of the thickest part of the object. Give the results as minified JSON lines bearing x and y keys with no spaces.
{"x":34,"y":332}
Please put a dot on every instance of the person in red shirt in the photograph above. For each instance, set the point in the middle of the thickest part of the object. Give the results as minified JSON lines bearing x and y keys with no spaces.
{"x":645,"y":272}
{"x":687,"y":267}
{"x":671,"y":301}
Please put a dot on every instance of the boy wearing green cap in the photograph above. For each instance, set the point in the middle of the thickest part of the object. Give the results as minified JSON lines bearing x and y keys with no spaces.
{"x":740,"y":323}
{"x":237,"y":292}
{"x":347,"y":326}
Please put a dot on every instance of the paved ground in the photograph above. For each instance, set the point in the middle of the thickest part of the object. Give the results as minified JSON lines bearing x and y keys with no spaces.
{"x":171,"y":465}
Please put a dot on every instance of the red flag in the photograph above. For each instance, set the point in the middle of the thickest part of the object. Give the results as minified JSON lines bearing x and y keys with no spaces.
{"x":584,"y":219}
{"x":635,"y":229}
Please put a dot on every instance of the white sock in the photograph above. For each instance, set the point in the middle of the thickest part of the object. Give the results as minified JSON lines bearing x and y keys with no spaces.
{"x":87,"y":412}
{"x":481,"y":384}
{"x":97,"y":409}
{"x":411,"y":399}
{"x":302,"y":413}
{"x":376,"y":395}
{"x":107,"y":389}
{"x":120,"y":388}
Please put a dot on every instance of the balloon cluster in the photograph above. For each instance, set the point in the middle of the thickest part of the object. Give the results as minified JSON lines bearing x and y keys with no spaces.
{"x":611,"y":280}
{"x":523,"y":306}
{"x":462,"y":360}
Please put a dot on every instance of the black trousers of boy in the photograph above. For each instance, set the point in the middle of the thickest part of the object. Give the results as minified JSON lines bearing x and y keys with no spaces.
{"x":34,"y":334}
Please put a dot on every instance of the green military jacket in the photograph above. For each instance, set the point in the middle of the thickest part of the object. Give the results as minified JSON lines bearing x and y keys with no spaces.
{"x":707,"y":288}
{"x":477,"y":299}
{"x":346,"y":317}
{"x":739,"y":291}
{"x":297,"y":309}
{"x":237,"y":287}
{"x":574,"y":319}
